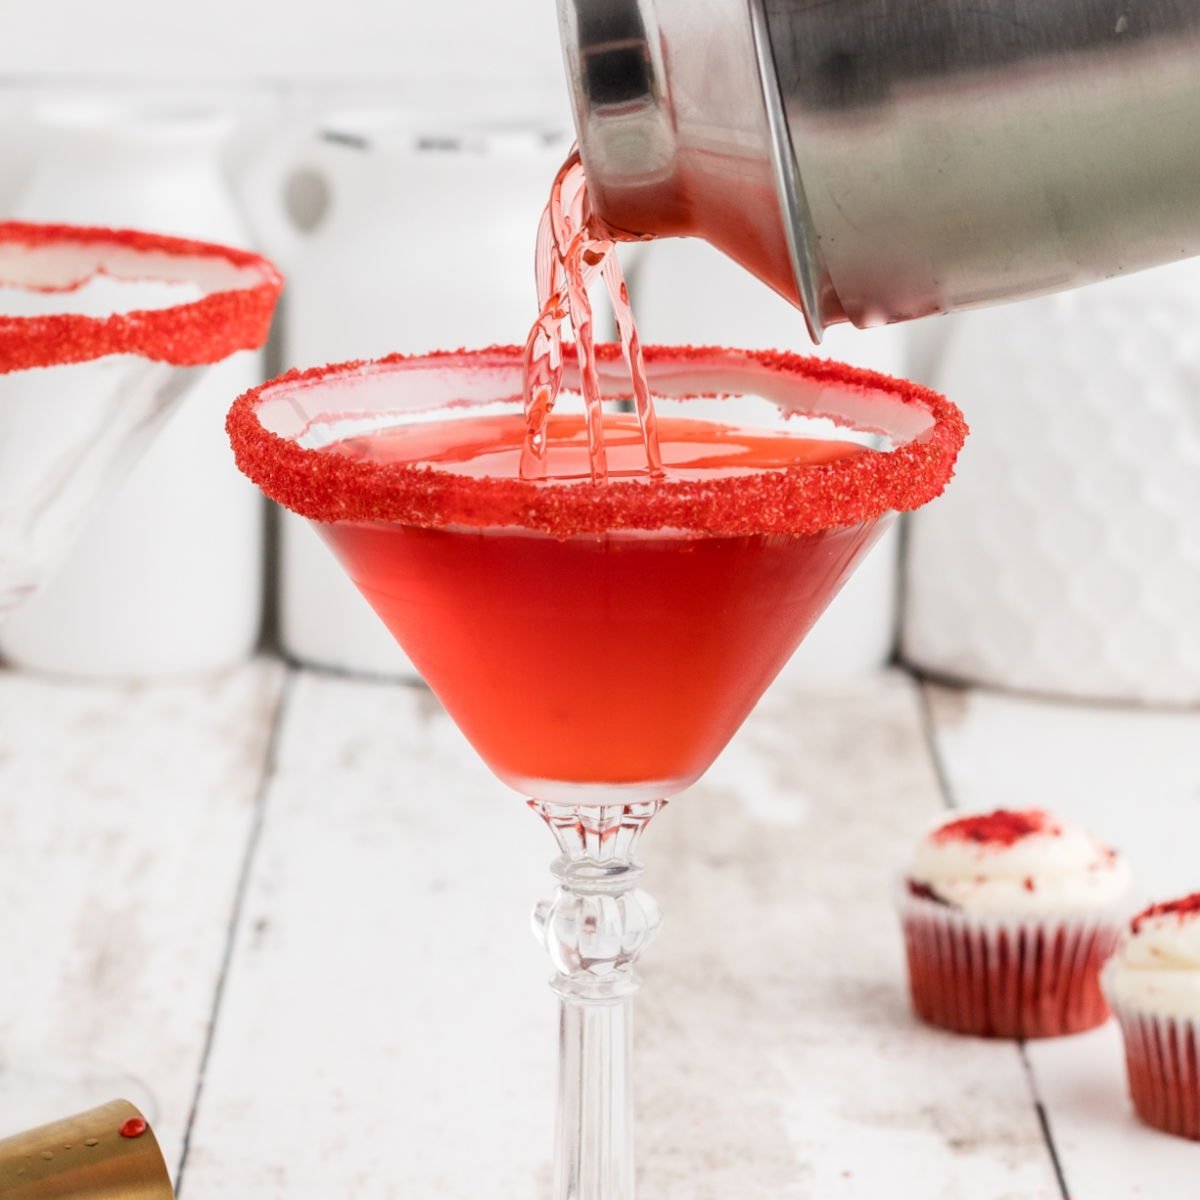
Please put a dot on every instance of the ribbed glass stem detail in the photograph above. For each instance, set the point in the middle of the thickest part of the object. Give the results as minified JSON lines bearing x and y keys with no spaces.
{"x":594,"y":928}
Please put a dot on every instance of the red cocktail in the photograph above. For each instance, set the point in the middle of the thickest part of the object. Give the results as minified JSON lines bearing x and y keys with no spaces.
{"x":636,"y":654}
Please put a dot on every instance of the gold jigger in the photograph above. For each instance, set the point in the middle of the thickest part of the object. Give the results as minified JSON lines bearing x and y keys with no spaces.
{"x":109,"y":1153}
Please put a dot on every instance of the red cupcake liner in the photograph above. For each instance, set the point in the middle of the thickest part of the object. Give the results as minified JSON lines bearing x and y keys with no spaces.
{"x":992,"y":977}
{"x":1162,"y":1055}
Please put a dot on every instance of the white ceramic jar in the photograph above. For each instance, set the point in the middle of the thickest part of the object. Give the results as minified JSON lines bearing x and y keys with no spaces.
{"x":393,"y":238}
{"x":685,"y":291}
{"x":167,"y":579}
{"x":1064,"y":557}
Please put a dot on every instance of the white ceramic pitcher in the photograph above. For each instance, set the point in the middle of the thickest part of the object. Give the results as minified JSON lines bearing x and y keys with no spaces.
{"x":1065,"y":556}
{"x":168,"y":578}
{"x":392,"y":238}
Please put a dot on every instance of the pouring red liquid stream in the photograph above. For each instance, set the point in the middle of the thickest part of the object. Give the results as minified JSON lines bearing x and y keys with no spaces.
{"x":569,"y":253}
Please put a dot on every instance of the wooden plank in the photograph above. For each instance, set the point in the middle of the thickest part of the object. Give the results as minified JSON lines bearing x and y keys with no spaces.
{"x":1132,"y":776}
{"x":125,"y":810}
{"x":386,"y":1030}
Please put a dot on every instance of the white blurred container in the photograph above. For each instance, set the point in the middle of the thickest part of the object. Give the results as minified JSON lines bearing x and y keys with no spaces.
{"x":685,"y":291}
{"x":16,"y":162}
{"x":1065,"y":556}
{"x":391,"y":240}
{"x":167,"y":579}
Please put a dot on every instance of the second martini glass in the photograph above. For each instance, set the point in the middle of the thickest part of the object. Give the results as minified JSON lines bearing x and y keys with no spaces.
{"x":598,"y":643}
{"x":101,"y":333}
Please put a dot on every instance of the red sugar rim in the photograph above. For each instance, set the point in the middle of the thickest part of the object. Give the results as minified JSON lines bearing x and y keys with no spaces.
{"x":803,"y":500}
{"x":1186,"y":906}
{"x":235,"y":313}
{"x":1004,"y":827}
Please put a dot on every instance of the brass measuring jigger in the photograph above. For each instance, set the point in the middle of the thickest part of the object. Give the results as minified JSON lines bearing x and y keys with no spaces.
{"x":109,"y":1153}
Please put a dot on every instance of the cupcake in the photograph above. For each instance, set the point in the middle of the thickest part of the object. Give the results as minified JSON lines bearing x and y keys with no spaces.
{"x":1008,"y":917}
{"x":1153,"y":985}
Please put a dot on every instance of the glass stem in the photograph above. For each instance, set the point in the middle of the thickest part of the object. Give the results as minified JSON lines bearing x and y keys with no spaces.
{"x":594,"y":928}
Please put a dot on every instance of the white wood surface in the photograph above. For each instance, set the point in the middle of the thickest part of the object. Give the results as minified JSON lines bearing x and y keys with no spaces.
{"x":125,"y":814}
{"x":380,"y":1025}
{"x":386,"y":1030}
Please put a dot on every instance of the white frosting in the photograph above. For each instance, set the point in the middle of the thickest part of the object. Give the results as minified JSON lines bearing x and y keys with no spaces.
{"x":1059,"y":871}
{"x":1157,"y":969}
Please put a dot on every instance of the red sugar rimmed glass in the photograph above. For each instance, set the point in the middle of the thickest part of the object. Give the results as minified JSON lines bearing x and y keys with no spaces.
{"x":598,"y":643}
{"x":101,"y":332}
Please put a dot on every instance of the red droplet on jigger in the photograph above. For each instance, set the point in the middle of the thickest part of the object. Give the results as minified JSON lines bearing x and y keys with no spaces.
{"x":133,"y":1128}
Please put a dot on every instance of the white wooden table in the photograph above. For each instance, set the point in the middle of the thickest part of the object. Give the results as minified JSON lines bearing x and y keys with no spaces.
{"x":296,"y":905}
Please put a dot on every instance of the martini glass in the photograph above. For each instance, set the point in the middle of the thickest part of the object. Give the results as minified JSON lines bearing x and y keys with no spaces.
{"x":101,"y":332}
{"x":598,"y":643}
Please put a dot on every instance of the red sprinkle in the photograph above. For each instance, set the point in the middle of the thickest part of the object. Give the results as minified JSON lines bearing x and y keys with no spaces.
{"x":133,"y":1128}
{"x":236,"y":316}
{"x":1030,"y":886}
{"x":1003,"y":827}
{"x":1183,"y":908}
{"x":801,"y":501}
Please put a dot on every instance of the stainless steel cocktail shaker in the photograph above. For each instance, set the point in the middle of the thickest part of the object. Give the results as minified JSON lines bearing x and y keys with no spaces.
{"x":878,"y":160}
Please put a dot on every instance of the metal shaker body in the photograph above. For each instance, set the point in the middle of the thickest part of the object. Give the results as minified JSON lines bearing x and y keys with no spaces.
{"x":924,"y":155}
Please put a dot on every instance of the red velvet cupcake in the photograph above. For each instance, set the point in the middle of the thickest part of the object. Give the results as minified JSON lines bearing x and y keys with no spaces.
{"x":1008,"y":917}
{"x":1153,"y":984}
